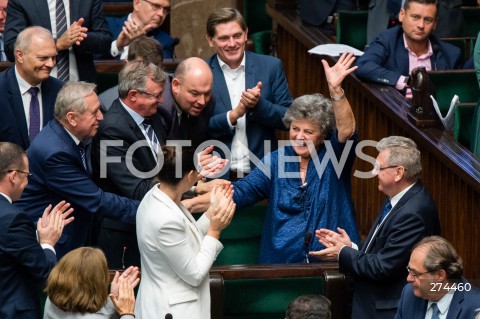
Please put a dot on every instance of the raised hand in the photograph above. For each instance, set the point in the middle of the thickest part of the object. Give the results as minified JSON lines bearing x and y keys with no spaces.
{"x":251,"y":96}
{"x":340,"y":70}
{"x":124,"y":300}
{"x":50,"y":226}
{"x":75,"y":34}
{"x":130,"y":275}
{"x":210,"y":164}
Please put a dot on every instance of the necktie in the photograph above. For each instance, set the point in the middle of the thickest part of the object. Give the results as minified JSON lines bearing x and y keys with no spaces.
{"x":152,"y":137}
{"x":435,"y":311}
{"x":3,"y":57}
{"x":62,"y":58}
{"x":386,"y":209}
{"x":34,"y":113}
{"x":183,"y":126}
{"x":81,"y":149}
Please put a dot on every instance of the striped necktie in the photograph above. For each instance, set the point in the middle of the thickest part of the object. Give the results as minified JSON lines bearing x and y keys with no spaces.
{"x":62,"y":57}
{"x":83,"y":155}
{"x":3,"y":57}
{"x":386,"y":210}
{"x":152,"y":137}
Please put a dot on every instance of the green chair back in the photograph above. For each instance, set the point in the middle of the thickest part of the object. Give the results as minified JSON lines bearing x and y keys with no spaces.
{"x":266,"y":298}
{"x":106,"y":80}
{"x":449,"y":83}
{"x":462,"y":43}
{"x":352,"y":28}
{"x":241,"y":239}
{"x":463,"y":129}
{"x":259,"y":25}
{"x":472,"y":20}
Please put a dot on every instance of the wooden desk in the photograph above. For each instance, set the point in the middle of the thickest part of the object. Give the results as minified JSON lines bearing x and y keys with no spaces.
{"x":450,"y":171}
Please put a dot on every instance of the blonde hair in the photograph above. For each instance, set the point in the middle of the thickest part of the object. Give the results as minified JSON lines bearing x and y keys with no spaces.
{"x":79,"y":282}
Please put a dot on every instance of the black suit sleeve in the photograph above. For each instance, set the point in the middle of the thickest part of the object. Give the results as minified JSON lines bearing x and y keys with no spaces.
{"x":392,"y":249}
{"x":23,"y":246}
{"x":16,"y":22}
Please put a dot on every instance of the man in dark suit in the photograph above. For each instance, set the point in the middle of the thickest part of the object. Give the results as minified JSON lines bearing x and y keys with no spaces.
{"x":87,"y":32}
{"x":408,"y":215}
{"x":140,"y":90}
{"x":26,"y":257}
{"x":250,"y":90}
{"x":436,"y":287}
{"x":397,"y":51}
{"x":60,"y":166}
{"x":25,"y":112}
{"x":193,"y":103}
{"x":145,"y":19}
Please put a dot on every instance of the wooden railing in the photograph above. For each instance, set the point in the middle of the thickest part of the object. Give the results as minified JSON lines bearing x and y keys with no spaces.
{"x":450,"y":171}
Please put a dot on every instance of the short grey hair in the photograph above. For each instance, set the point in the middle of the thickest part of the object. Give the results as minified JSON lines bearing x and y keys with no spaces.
{"x":315,"y":108}
{"x":24,"y":38}
{"x":403,"y":152}
{"x":134,"y":77}
{"x":71,"y":98}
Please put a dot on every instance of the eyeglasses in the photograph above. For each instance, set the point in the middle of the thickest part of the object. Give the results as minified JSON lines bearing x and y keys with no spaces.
{"x":27,"y":174}
{"x":417,"y":274}
{"x":155,"y":96}
{"x":158,"y":7}
{"x":377,"y":169}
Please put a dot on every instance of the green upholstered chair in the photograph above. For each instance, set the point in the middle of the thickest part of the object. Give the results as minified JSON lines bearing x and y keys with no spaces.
{"x":475,"y":137}
{"x":472,"y":20}
{"x":241,"y":239}
{"x":259,"y":25}
{"x":352,"y":28}
{"x":266,"y":298}
{"x":448,"y":83}
{"x":462,"y":43}
{"x":463,"y":129}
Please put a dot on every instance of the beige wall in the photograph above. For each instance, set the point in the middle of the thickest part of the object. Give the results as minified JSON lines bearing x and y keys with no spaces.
{"x":188,"y":20}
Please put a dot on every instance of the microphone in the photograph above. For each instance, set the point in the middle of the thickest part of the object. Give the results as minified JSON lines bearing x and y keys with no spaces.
{"x":435,"y":49}
{"x":308,"y":238}
{"x":168,"y":316}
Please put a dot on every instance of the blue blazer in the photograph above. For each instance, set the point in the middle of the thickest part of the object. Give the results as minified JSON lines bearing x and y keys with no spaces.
{"x":24,"y":265}
{"x":379,"y":272}
{"x":116,"y":24}
{"x":25,"y":13}
{"x":386,"y":59}
{"x":270,"y":110}
{"x":58,"y":174}
{"x":464,"y":305}
{"x":13,"y":122}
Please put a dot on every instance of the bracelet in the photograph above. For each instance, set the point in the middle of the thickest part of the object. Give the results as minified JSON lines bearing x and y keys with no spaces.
{"x":338,"y":98}
{"x":127,"y":314}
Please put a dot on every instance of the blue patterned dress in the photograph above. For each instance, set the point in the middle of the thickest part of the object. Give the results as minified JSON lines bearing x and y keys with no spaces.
{"x":293,"y":209}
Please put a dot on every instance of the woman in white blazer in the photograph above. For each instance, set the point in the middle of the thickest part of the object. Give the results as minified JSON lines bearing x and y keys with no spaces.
{"x":177,"y":251}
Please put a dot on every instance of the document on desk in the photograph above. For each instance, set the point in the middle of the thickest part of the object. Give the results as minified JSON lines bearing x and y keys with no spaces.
{"x":448,"y":120}
{"x":334,"y":49}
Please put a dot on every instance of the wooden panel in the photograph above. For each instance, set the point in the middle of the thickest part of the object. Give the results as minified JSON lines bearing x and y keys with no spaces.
{"x":450,"y":171}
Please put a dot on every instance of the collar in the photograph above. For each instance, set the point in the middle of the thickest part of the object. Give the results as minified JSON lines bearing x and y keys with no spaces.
{"x":225,"y":66}
{"x":23,"y":85}
{"x":444,"y":303}
{"x":395,"y":199}
{"x":425,"y":55}
{"x":6,"y":196}
{"x":75,"y":139}
{"x":136,"y":117}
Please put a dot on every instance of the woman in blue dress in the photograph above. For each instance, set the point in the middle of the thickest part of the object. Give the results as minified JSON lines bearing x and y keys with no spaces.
{"x":307,"y":182}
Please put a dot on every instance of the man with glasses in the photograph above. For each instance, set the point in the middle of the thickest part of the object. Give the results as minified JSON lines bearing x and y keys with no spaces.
{"x":436,"y":287}
{"x":26,"y":252}
{"x":133,"y":117}
{"x":60,"y":166}
{"x":28,"y":92}
{"x":146,"y":18}
{"x":408,"y":215}
{"x":79,"y":29}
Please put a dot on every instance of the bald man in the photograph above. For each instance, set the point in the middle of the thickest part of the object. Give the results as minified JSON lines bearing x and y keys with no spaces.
{"x":193,"y":103}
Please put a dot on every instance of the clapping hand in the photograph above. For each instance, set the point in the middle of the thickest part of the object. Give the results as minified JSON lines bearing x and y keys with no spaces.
{"x":210,"y":164}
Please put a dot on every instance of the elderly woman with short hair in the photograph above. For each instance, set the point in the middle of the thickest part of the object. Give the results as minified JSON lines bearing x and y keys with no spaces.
{"x":305,"y":186}
{"x":77,"y":288}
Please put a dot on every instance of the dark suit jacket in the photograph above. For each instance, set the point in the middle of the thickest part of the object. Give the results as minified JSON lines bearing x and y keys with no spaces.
{"x":24,"y":265}
{"x":380,"y":273}
{"x":464,"y":305}
{"x":194,"y":129}
{"x":270,"y":110}
{"x":119,"y":125}
{"x":25,"y":13}
{"x":316,"y":12}
{"x":116,"y":24}
{"x":13,"y":122}
{"x":58,"y":174}
{"x":386,"y":59}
